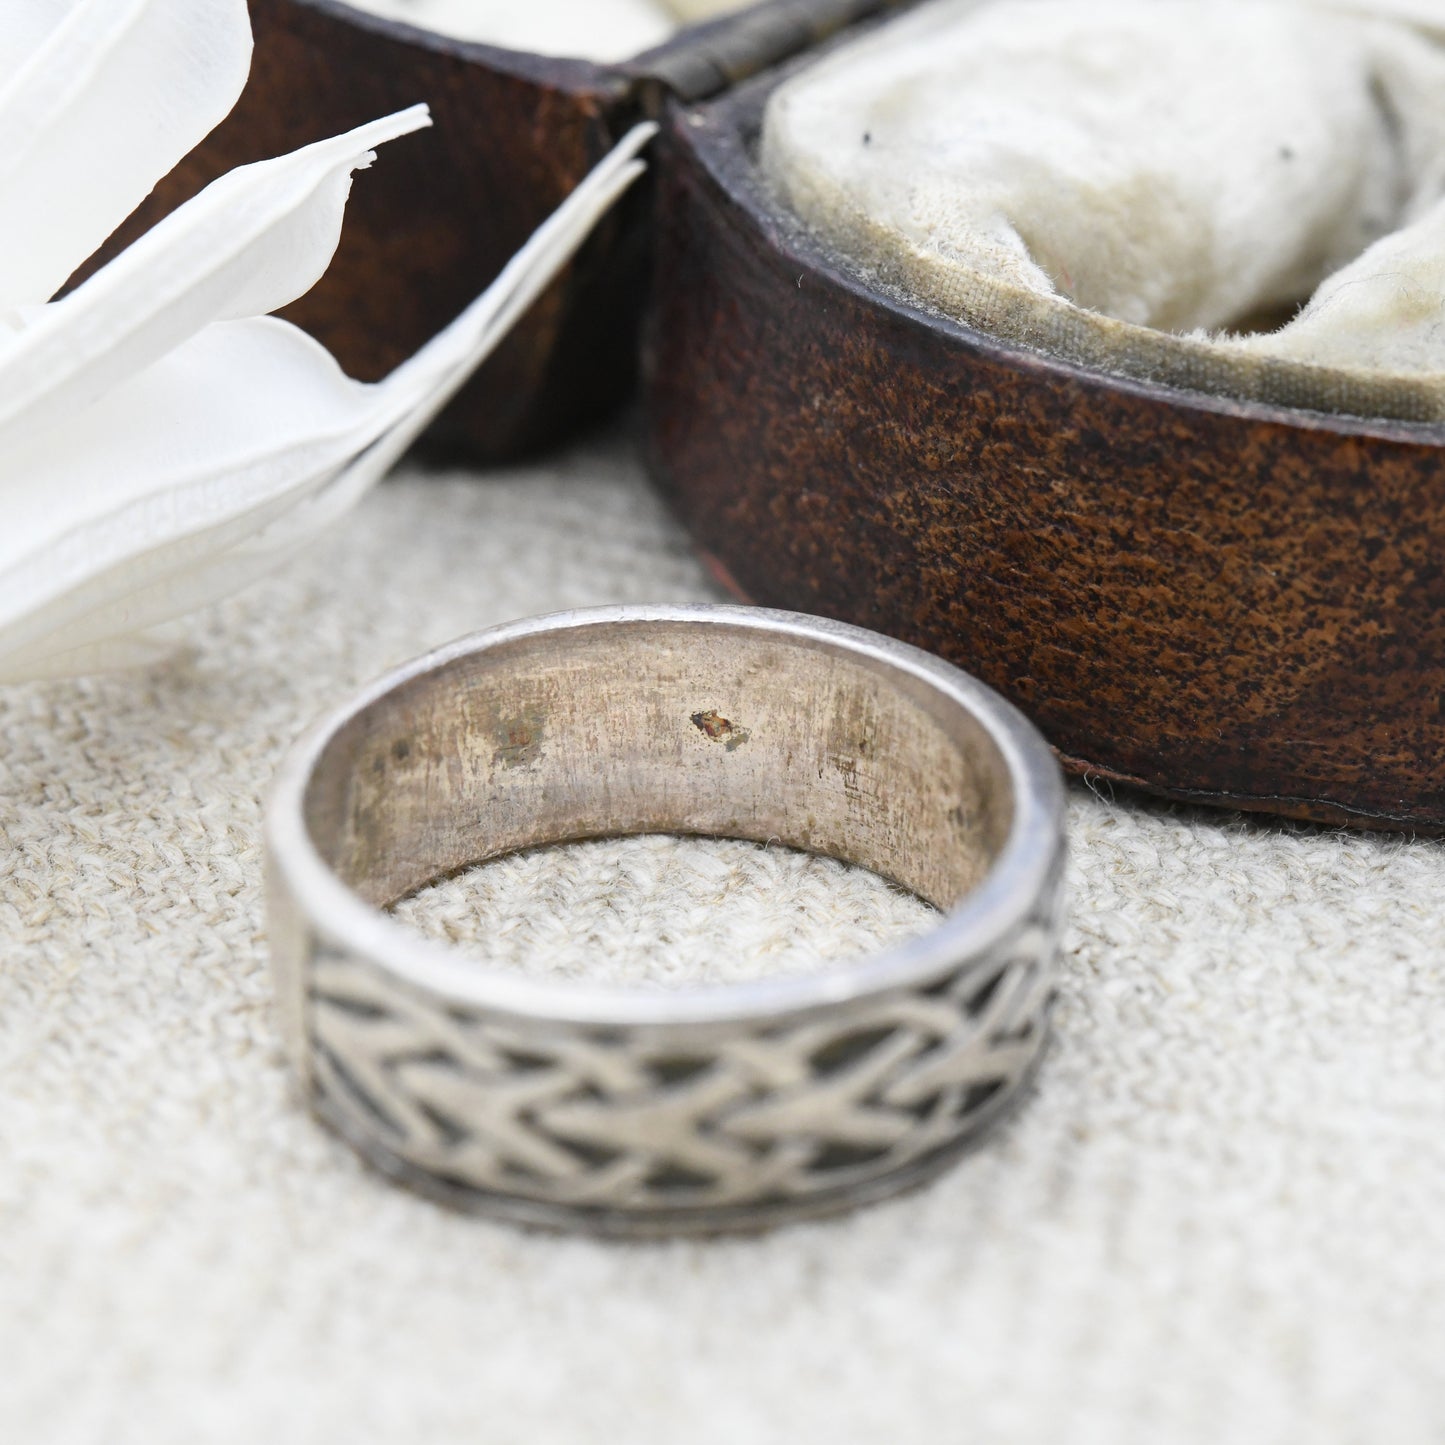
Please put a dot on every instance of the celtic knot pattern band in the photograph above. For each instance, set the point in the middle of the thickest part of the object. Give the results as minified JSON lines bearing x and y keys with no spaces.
{"x":649,"y":1112}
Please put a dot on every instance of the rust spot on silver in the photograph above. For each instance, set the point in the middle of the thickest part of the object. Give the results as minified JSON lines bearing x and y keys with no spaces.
{"x":716,"y":727}
{"x":519,"y":739}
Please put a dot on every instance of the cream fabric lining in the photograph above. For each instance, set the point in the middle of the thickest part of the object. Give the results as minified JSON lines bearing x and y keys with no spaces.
{"x":1128,"y":183}
{"x":603,"y":30}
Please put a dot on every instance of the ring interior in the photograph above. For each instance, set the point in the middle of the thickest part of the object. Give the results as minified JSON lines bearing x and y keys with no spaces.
{"x":662,"y":727}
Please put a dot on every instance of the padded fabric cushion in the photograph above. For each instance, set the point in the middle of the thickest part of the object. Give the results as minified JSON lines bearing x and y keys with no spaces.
{"x":603,"y":30}
{"x":1132,"y":183}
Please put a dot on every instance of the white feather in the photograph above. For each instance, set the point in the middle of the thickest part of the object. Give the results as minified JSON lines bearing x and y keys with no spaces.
{"x":24,"y":27}
{"x":230,"y":452}
{"x":249,"y":243}
{"x":115,"y":94}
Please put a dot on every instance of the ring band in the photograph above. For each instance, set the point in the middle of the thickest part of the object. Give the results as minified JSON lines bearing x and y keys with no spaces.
{"x":634,"y":1111}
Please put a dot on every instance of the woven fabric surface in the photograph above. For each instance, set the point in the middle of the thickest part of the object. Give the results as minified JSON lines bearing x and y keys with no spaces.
{"x":1219,"y":1218}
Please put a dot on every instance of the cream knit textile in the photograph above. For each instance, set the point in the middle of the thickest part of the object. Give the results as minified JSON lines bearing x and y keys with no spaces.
{"x":1221,"y":1219}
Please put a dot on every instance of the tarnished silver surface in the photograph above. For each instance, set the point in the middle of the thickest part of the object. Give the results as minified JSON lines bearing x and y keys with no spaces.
{"x":648,"y":1112}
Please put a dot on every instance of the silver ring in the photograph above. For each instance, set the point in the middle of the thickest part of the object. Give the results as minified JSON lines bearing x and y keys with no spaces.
{"x":628,"y":1111}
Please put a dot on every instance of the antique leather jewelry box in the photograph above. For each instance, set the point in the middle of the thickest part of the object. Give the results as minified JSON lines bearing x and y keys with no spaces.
{"x":1221,"y":600}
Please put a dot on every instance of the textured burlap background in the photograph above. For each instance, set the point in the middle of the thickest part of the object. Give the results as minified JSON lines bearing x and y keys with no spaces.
{"x":1222,"y":1219}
